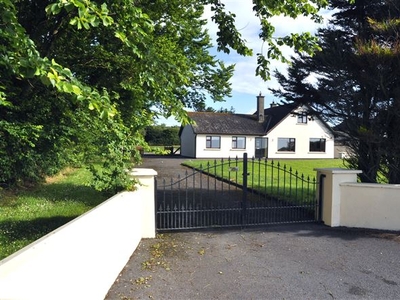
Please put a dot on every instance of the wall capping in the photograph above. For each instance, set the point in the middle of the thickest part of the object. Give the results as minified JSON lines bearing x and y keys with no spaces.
{"x":83,"y":258}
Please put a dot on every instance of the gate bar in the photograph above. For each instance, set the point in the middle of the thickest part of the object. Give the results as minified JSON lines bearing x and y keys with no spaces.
{"x":244,"y":197}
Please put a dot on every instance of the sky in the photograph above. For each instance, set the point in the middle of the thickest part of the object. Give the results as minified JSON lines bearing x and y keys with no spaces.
{"x":245,"y":85}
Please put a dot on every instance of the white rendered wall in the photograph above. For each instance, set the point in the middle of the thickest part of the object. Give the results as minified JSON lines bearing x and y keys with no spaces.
{"x":345,"y":202}
{"x":331,"y":198}
{"x":289,"y":128}
{"x":225,"y":150}
{"x":193,"y":145}
{"x":82,"y":259}
{"x":366,"y":205}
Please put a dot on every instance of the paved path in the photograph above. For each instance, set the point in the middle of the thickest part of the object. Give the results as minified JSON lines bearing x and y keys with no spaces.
{"x":298,"y":261}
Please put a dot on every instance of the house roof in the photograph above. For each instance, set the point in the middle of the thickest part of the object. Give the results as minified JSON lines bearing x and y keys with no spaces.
{"x":276,"y":114}
{"x":240,"y":124}
{"x":225,"y":123}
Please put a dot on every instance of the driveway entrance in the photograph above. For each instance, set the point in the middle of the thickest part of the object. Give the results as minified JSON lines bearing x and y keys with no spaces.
{"x":291,"y":261}
{"x":233,"y":193}
{"x":294,"y":261}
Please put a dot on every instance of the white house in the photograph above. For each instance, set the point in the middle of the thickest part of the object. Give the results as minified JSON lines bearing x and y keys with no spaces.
{"x":281,"y":131}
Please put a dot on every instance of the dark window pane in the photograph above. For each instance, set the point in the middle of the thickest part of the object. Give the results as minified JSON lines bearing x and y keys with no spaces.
{"x":213,"y":141}
{"x":317,"y":145}
{"x":287,"y":144}
{"x":238,"y":142}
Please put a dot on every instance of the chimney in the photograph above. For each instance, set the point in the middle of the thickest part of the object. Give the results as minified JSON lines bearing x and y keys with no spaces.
{"x":260,"y":108}
{"x":273,"y":104}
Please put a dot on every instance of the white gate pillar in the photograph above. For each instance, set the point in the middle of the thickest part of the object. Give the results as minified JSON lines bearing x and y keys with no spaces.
{"x":329,"y":179}
{"x":146,"y":179}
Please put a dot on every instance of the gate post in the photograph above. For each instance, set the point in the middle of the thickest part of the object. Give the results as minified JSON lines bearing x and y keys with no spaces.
{"x":330,"y":193}
{"x":146,"y":186}
{"x":244,"y":196}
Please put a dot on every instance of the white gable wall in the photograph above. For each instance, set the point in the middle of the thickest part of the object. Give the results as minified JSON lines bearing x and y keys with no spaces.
{"x":289,"y":128}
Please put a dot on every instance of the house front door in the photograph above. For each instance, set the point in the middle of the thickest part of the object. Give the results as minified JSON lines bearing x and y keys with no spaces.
{"x":261,"y":147}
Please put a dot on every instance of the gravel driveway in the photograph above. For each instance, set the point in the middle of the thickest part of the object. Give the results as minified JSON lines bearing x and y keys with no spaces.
{"x":297,"y":261}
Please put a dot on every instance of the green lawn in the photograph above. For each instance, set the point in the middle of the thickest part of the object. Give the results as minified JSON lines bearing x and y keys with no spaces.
{"x":305,"y":167}
{"x":293,"y":180}
{"x":29,"y":214}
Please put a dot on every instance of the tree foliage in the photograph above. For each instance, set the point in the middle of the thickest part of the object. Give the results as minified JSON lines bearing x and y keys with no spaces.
{"x":356,"y":83}
{"x":204,"y":108}
{"x":229,"y":37}
{"x":162,"y":135}
{"x":81,"y":79}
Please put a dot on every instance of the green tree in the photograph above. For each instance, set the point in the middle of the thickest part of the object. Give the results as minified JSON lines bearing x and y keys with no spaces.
{"x":203,"y":108}
{"x":357,"y":83}
{"x":81,"y":79}
{"x":382,"y":54}
{"x":162,"y":135}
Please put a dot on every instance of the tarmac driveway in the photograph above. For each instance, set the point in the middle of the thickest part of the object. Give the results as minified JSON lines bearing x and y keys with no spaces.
{"x":297,"y":261}
{"x":166,"y":166}
{"x":304,"y":261}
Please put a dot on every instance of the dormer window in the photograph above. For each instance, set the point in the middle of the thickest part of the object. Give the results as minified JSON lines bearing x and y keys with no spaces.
{"x":302,"y":118}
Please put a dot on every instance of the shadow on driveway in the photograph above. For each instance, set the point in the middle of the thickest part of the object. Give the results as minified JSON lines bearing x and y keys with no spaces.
{"x":301,"y":261}
{"x":296,"y":261}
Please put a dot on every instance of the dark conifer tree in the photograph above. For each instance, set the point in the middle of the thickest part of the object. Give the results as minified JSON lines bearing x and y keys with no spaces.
{"x":355,"y":84}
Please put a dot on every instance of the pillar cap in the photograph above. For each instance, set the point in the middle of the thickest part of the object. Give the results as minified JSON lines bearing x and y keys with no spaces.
{"x":142,"y":172}
{"x":338,"y":171}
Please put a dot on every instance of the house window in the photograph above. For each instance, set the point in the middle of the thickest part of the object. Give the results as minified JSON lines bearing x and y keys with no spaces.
{"x":302,"y":118}
{"x":317,"y":145}
{"x":238,"y":142}
{"x":213,"y":142}
{"x":287,"y":144}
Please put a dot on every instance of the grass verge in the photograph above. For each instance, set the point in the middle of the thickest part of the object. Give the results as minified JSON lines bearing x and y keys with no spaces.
{"x":303,"y":167}
{"x":28,"y":214}
{"x":292,"y":180}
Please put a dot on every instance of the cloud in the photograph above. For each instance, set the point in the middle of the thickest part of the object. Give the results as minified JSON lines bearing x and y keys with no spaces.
{"x":244,"y":79}
{"x":245,"y":85}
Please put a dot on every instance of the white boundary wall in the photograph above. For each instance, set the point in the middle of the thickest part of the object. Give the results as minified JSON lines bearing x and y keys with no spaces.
{"x":345,"y":202}
{"x":369,"y":205}
{"x":82,"y":259}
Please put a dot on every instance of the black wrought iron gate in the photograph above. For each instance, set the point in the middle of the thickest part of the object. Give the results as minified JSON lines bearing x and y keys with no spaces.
{"x":235,"y":193}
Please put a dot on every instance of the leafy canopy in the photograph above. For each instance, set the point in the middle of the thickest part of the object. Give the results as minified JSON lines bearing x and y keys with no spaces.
{"x":81,"y":79}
